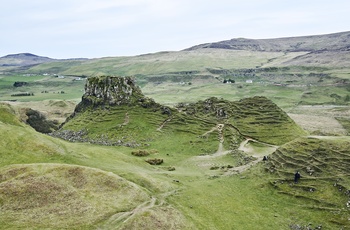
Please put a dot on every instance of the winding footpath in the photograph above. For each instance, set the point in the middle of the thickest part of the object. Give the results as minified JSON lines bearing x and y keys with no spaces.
{"x":242,"y":147}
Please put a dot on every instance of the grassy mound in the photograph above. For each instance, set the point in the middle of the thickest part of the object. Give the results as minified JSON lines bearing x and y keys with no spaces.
{"x":323,"y":163}
{"x":57,"y":196}
{"x":257,"y":117}
{"x":261,"y":119}
{"x":8,"y":115}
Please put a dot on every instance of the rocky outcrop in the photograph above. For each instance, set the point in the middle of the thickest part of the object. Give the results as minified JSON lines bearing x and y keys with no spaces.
{"x":109,"y":91}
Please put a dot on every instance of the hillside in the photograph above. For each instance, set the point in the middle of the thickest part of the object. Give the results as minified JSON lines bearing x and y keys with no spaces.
{"x":48,"y":183}
{"x":114,"y":110}
{"x":330,"y":50}
{"x":323,"y":163}
{"x":211,"y":176}
{"x":180,"y":145}
{"x":327,"y":42}
{"x":23,"y":59}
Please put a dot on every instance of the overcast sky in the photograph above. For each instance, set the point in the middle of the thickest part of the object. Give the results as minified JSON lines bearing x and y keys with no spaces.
{"x":100,"y":28}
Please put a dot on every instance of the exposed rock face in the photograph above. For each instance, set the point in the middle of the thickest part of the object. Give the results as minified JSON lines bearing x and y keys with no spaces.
{"x":105,"y":91}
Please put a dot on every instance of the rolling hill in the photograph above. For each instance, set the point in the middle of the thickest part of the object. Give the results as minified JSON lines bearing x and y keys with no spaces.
{"x":327,"y":42}
{"x":211,"y":176}
{"x":174,"y":147}
{"x":23,"y":59}
{"x":330,"y":50}
{"x":114,"y":110}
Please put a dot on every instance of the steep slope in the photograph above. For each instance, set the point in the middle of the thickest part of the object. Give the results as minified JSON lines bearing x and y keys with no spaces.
{"x":323,"y":163}
{"x":256,"y":117}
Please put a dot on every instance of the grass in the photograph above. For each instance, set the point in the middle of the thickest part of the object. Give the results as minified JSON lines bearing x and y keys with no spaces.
{"x":162,"y":62}
{"x":93,"y":188}
{"x":57,"y":195}
{"x":43,"y":88}
{"x":192,"y":196}
{"x":243,"y":202}
{"x":323,"y":163}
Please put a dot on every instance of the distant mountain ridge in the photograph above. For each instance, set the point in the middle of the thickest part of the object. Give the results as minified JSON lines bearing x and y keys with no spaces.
{"x":329,"y":50}
{"x":327,"y":42}
{"x":28,"y":59}
{"x":23,"y":59}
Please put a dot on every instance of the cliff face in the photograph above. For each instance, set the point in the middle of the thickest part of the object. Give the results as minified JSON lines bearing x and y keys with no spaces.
{"x":109,"y":91}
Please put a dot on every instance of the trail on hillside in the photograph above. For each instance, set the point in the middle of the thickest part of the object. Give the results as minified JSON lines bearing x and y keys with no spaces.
{"x":259,"y":157}
{"x":221,"y":139}
{"x":242,"y":168}
{"x":164,"y":123}
{"x":126,"y":119}
{"x":120,"y":218}
{"x":245,"y":149}
{"x":207,"y":160}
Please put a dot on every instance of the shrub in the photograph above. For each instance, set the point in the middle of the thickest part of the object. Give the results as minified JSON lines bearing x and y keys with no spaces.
{"x":155,"y":161}
{"x":39,"y":122}
{"x":214,"y":168}
{"x":140,"y":153}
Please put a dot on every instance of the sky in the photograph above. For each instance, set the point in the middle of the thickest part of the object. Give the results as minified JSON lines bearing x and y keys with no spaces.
{"x":101,"y":28}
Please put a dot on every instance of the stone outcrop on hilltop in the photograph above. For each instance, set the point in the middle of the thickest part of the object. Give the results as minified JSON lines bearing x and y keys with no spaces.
{"x":106,"y":91}
{"x":113,"y":111}
{"x":109,"y":91}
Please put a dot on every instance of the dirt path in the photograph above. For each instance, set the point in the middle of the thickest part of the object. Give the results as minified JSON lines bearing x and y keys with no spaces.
{"x":242,"y":168}
{"x":221,"y":139}
{"x":164,"y":122}
{"x":245,"y":149}
{"x":259,"y":157}
{"x":205,"y":160}
{"x":126,"y":119}
{"x":119,"y":218}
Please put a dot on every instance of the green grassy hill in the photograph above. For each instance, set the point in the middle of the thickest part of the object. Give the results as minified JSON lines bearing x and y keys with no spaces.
{"x":323,"y":163}
{"x":185,"y":152}
{"x":116,"y":112}
{"x":49,"y":183}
